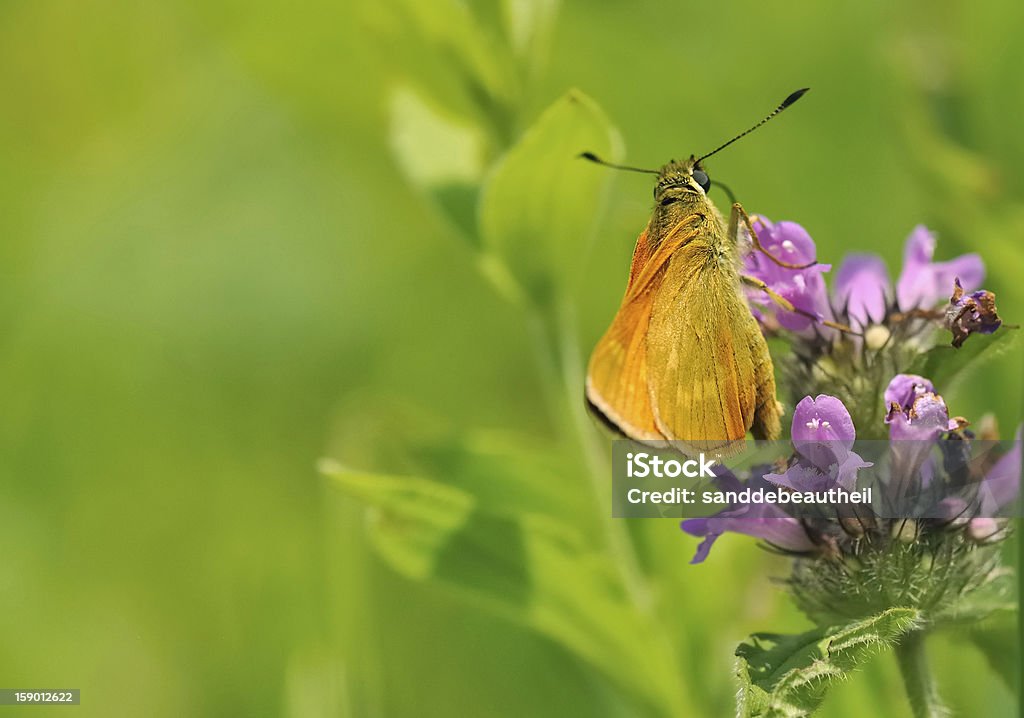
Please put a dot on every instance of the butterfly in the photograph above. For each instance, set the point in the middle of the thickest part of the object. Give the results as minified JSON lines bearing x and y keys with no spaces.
{"x":684,"y":360}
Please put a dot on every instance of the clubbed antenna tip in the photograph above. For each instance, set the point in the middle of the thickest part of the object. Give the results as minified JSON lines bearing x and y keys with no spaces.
{"x":793,"y":97}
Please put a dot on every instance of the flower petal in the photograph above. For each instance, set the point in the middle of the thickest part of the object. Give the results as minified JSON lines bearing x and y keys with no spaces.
{"x":805,"y":476}
{"x":923,"y":283}
{"x":765,"y":522}
{"x":823,"y":418}
{"x":904,"y":389}
{"x":803,"y":288}
{"x":864,"y":288}
{"x":1001,"y":485}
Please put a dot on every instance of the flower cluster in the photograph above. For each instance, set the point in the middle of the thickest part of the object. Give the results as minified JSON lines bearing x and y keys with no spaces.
{"x":942,"y":490}
{"x":849,"y":342}
{"x":850,"y":561}
{"x":864,"y":295}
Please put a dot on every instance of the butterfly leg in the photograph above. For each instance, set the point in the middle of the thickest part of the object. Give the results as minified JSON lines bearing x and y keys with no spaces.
{"x":739,"y":217}
{"x":787,"y":305}
{"x":779,"y":300}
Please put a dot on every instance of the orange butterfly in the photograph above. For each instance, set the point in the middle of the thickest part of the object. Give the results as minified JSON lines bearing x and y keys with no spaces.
{"x":684,"y":360}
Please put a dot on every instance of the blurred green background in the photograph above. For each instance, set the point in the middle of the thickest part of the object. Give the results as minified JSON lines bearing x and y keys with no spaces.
{"x":215,"y":273}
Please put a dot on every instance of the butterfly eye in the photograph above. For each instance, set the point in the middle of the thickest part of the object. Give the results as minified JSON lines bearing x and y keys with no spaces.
{"x":701,"y":178}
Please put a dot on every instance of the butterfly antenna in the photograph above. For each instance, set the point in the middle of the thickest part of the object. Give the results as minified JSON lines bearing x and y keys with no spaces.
{"x":597,"y":160}
{"x":793,"y":97}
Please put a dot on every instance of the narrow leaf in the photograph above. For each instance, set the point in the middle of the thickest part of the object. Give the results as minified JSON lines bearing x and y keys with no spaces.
{"x":528,"y":567}
{"x":411,"y":519}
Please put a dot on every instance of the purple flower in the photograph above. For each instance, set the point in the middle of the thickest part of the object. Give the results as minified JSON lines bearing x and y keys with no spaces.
{"x":763,"y":521}
{"x":928,"y":419}
{"x":1001,"y":485}
{"x":864,"y":288}
{"x":969,"y":313}
{"x":955,"y":511}
{"x":823,"y":419}
{"x":823,"y":434}
{"x":903,"y":391}
{"x":803,"y":288}
{"x":916,"y":412}
{"x":917,"y":417}
{"x":999,"y":488}
{"x":803,"y":476}
{"x":924,"y":283}
{"x":863,"y":285}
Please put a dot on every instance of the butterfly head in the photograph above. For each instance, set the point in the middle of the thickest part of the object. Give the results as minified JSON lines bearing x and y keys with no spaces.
{"x":677,"y":179}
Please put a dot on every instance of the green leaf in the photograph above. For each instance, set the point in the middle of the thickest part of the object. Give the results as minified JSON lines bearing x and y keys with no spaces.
{"x":996,"y":638}
{"x":440,"y":154}
{"x":946,"y":367}
{"x":411,"y":519}
{"x":539,"y":206}
{"x":529,"y":25}
{"x":789,"y":675}
{"x":528,"y":567}
{"x":456,"y":58}
{"x":511,"y":475}
{"x":504,"y":471}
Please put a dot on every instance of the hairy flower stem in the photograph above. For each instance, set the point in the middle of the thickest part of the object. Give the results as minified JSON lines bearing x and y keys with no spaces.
{"x":917,"y":677}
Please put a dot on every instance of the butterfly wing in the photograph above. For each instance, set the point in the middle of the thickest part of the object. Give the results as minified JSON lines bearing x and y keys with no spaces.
{"x":710,"y":374}
{"x":617,"y":376}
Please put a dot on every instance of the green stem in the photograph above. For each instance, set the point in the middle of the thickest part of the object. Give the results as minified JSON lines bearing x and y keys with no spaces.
{"x":917,"y":677}
{"x":561,"y":374}
{"x":598,"y":467}
{"x":617,"y":535}
{"x":559,"y":362}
